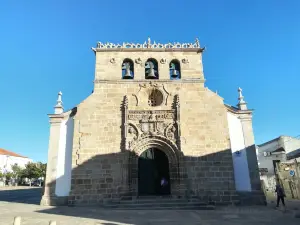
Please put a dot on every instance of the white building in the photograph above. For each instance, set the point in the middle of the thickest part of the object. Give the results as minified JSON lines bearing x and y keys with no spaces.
{"x":281,"y":149}
{"x":8,"y":159}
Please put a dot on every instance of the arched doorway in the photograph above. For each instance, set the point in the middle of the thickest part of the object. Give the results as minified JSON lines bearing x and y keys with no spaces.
{"x":153,"y":165}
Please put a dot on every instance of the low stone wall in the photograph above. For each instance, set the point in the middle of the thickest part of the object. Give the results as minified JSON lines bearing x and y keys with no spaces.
{"x":17,"y":187}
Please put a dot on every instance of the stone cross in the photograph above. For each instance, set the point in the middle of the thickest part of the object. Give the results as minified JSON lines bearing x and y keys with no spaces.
{"x":242,"y":104}
{"x":58,"y":109}
{"x":59,"y":101}
{"x":240,"y":93}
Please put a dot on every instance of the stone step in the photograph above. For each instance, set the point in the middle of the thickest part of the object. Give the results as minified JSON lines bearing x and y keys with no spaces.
{"x":158,"y":203}
{"x":155,"y":203}
{"x":175,"y":207}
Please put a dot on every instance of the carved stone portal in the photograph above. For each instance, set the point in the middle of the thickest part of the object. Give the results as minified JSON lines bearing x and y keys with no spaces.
{"x":141,"y":124}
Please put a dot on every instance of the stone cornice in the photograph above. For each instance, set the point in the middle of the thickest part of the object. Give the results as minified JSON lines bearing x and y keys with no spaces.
{"x":238,"y":111}
{"x":56,"y":118}
{"x":192,"y":80}
{"x":56,"y":115}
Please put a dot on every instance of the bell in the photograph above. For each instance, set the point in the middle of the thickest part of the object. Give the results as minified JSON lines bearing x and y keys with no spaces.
{"x":127,"y":74}
{"x":174,"y":73}
{"x":151,"y":73}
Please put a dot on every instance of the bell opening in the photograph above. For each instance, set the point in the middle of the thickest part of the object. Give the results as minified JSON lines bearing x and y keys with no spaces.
{"x":127,"y":69}
{"x":151,"y":69}
{"x":174,"y":70}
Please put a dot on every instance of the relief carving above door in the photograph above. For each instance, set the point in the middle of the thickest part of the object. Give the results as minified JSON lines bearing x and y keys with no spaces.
{"x":141,"y":124}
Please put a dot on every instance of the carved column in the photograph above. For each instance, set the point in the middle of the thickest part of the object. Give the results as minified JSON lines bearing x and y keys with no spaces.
{"x":177,"y":108}
{"x":125,"y":146}
{"x":182,"y":183}
{"x":125,"y":122}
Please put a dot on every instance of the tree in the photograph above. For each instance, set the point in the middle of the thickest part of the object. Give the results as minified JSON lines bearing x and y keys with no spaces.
{"x":42,"y":167}
{"x":32,"y":171}
{"x":9,"y":175}
{"x":17,"y":171}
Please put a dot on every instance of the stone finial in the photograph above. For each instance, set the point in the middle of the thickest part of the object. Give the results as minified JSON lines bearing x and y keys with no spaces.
{"x":125,"y":101}
{"x":197,"y":43}
{"x":149,"y":43}
{"x":242,"y":104}
{"x":177,"y":102}
{"x":58,"y":109}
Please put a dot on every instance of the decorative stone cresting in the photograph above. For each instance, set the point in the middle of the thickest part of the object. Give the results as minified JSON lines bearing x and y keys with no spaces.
{"x":148,"y":44}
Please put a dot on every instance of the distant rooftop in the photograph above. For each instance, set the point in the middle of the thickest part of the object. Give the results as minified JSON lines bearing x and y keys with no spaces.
{"x":9,"y":153}
{"x":268,"y":142}
{"x":275,"y":139}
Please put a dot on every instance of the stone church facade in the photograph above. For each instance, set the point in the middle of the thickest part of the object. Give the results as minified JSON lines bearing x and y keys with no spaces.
{"x":150,"y":117}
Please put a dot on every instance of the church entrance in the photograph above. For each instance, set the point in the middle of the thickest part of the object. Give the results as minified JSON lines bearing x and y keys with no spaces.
{"x":153,"y":166}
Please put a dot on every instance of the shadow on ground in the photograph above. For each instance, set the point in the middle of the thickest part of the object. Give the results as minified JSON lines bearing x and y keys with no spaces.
{"x":22,"y":195}
{"x":208,"y":178}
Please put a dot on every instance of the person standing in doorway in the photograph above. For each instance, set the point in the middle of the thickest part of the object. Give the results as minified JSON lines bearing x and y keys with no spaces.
{"x":163,"y":184}
{"x":280,"y":194}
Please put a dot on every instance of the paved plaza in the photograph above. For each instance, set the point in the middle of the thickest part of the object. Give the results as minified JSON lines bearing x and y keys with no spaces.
{"x":24,"y":203}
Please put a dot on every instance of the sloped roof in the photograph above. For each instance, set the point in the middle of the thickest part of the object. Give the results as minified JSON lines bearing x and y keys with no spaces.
{"x":293,"y":155}
{"x":9,"y":153}
{"x":268,"y":142}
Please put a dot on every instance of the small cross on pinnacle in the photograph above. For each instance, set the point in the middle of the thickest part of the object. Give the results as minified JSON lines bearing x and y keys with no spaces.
{"x":58,"y":109}
{"x":59,"y":102}
{"x":240,"y":93}
{"x":242,"y":104}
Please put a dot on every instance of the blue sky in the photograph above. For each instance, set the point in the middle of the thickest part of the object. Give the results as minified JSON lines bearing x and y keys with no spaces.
{"x":45,"y":47}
